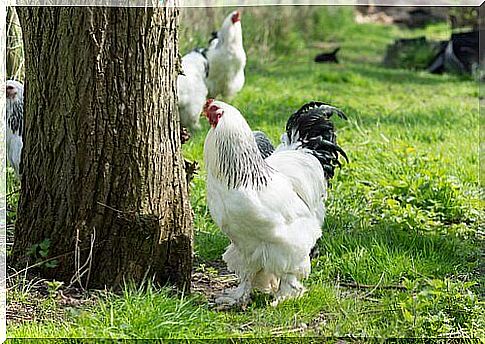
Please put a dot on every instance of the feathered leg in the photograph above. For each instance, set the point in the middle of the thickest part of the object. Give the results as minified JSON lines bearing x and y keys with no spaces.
{"x":290,"y":285}
{"x":239,"y":296}
{"x":290,"y":288}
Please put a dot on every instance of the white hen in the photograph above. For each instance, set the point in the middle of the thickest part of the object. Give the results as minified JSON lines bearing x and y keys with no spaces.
{"x":227,"y":59}
{"x":15,"y":123}
{"x":271,"y":209}
{"x":192,"y":90}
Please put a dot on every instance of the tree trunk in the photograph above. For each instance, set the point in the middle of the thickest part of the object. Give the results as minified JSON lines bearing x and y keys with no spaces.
{"x":104,"y":197}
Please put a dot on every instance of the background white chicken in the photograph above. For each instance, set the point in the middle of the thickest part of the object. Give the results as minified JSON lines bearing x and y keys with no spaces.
{"x":15,"y":123}
{"x":227,"y":59}
{"x":192,"y":89}
{"x":271,"y":209}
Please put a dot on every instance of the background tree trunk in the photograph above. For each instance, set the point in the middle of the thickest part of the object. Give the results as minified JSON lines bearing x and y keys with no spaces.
{"x":15,"y":52}
{"x":103,"y":193}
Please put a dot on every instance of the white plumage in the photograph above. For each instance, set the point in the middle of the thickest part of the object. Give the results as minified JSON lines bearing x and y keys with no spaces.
{"x":15,"y":125}
{"x":192,"y":89}
{"x":271,"y":209}
{"x":227,"y":59}
{"x":216,"y":70}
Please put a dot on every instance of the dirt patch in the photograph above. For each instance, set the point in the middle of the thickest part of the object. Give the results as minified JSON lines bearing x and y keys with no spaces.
{"x":38,"y":301}
{"x":211,"y":279}
{"x":30,"y":298}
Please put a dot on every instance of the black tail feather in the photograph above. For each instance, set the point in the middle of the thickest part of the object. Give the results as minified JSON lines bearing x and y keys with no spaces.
{"x":311,"y":126}
{"x":214,"y":35}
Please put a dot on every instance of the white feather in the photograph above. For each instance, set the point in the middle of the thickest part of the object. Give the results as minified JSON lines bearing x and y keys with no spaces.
{"x":14,"y":135}
{"x":227,"y":60}
{"x":192,"y":90}
{"x":272,"y":229}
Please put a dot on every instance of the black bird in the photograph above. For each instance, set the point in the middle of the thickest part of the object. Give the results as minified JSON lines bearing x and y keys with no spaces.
{"x":459,"y":55}
{"x":328,"y":57}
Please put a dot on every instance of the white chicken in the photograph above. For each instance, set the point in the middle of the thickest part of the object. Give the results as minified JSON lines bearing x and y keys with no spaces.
{"x":15,"y":123}
{"x":271,"y":209}
{"x":227,"y":59}
{"x":192,"y":89}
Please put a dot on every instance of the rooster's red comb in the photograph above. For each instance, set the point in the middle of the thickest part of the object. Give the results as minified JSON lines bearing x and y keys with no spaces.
{"x":236,"y":17}
{"x":207,"y":104}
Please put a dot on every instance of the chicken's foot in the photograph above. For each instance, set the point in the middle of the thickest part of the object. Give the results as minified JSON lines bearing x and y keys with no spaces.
{"x":239,"y":296}
{"x":290,"y":288}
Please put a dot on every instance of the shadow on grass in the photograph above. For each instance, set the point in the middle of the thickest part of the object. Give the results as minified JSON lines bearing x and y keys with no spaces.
{"x":413,"y":121}
{"x":391,"y":253}
{"x":374,"y":72}
{"x":403,"y":76}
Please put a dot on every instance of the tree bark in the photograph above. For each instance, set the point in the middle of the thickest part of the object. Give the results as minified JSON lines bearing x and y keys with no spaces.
{"x":104,"y":197}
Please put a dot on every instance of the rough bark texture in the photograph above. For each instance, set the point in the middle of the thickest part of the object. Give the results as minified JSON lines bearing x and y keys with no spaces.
{"x":103,"y":176}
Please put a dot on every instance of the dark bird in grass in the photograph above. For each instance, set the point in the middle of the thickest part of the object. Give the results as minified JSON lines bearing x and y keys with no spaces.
{"x":328,"y":57}
{"x":458,"y":55}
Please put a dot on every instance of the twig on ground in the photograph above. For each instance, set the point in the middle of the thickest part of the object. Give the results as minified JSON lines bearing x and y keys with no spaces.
{"x":227,"y":279}
{"x":86,"y":267}
{"x":369,"y":286}
{"x":277,"y":333}
{"x":377,"y":286}
{"x":28,"y":267}
{"x":244,"y":326}
{"x":110,"y":208}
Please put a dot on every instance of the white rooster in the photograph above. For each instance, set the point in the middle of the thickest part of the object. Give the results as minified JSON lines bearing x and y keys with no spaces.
{"x":271,"y":209}
{"x":15,"y":123}
{"x":192,"y":89}
{"x":227,"y":59}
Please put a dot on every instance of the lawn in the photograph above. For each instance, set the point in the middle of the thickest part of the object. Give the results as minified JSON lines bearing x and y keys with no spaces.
{"x":402,"y":250}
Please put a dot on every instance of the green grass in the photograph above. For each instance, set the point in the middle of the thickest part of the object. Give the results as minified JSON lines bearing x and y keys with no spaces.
{"x":405,"y":211}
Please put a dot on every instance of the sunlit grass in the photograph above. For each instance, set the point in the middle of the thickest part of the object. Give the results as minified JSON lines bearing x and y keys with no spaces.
{"x":403,"y":214}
